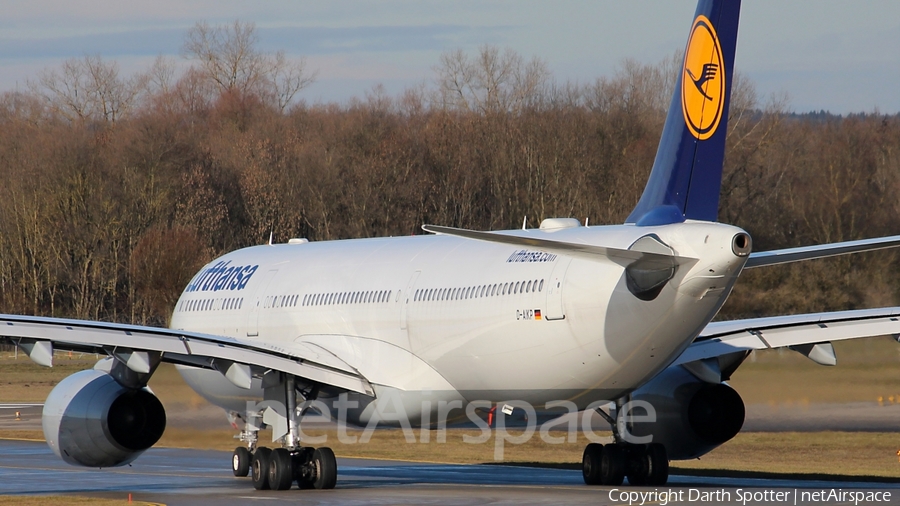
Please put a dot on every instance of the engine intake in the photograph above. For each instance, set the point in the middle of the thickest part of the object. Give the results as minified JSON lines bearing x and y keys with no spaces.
{"x":91,"y":420}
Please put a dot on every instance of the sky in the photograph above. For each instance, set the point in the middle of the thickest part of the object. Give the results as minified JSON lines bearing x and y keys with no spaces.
{"x":835,"y":55}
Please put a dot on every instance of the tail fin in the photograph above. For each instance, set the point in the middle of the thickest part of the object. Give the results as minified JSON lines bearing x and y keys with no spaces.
{"x":687,"y":174}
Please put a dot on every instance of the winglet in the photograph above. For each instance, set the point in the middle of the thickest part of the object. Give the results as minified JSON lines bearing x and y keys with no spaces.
{"x":687,"y":174}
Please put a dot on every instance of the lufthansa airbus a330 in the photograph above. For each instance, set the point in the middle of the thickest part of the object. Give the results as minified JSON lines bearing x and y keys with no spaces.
{"x":563,"y":312}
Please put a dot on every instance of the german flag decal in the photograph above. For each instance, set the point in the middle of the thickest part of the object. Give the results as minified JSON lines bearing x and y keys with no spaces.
{"x":537,"y":314}
{"x":703,"y":80}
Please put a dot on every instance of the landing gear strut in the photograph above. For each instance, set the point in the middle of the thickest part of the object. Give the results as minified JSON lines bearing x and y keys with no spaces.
{"x":278,"y":469}
{"x":610,"y":464}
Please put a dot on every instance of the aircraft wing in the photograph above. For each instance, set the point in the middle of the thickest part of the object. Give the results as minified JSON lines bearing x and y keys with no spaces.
{"x":801,"y":332}
{"x":783,"y":256}
{"x":40,"y":336}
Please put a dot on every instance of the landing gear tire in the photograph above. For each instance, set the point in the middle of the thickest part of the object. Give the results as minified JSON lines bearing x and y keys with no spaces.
{"x":240,"y":461}
{"x":260,"y":468}
{"x":280,"y":470}
{"x":590,"y":463}
{"x":304,"y":472}
{"x":637,"y":466}
{"x":326,"y":468}
{"x":612,"y":465}
{"x":644,"y":465}
{"x":658,"y":460}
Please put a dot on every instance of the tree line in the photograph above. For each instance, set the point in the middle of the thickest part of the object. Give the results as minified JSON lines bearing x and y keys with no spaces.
{"x":118,"y":188}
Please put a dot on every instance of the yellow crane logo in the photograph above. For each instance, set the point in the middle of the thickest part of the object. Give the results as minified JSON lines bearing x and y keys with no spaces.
{"x":703,"y":80}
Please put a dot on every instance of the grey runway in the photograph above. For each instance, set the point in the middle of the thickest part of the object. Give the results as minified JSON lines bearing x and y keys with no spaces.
{"x":179,"y":476}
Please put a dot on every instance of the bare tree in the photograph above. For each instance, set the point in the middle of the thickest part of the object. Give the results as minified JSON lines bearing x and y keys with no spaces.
{"x":88,"y":89}
{"x":493,"y":81}
{"x":229,"y":56}
{"x":161,"y":76}
{"x":286,"y":78}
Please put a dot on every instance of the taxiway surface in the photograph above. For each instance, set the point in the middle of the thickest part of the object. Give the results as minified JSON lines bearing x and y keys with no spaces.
{"x":179,"y":476}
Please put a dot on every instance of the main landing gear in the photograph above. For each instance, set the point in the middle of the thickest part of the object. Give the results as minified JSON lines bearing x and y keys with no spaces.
{"x":278,"y":469}
{"x":610,"y":464}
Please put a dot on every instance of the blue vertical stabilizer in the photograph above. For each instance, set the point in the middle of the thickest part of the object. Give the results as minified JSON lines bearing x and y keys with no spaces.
{"x":687,"y":173}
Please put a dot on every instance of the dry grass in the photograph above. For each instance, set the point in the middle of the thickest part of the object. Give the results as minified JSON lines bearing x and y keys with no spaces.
{"x":867,"y":369}
{"x":872,"y":454}
{"x":54,"y":500}
{"x":24,"y":381}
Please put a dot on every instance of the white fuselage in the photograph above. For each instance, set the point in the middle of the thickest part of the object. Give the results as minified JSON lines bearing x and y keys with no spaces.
{"x":467,"y":319}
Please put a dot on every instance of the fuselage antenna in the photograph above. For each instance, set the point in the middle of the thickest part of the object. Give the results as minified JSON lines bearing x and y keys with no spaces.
{"x":271,"y":235}
{"x":524,"y":221}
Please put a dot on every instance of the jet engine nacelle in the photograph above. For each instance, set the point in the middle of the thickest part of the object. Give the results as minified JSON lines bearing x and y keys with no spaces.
{"x":91,"y":420}
{"x":692,"y":416}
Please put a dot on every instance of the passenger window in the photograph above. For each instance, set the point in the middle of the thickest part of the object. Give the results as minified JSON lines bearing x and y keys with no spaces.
{"x":541,"y":286}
